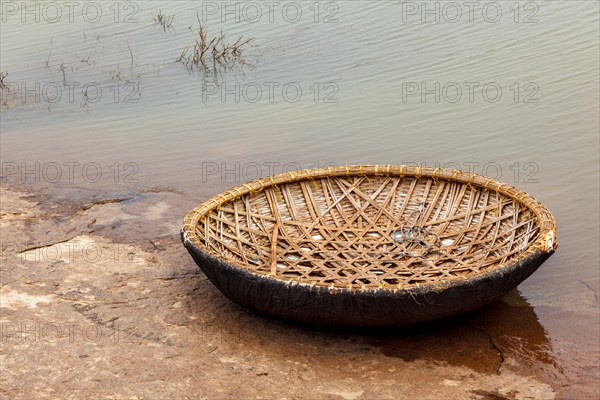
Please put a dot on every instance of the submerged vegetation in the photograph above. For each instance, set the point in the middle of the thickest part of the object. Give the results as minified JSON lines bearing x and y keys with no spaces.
{"x":4,"y":91}
{"x":209,"y":55}
{"x":3,"y":76}
{"x":163,"y":20}
{"x":214,"y":51}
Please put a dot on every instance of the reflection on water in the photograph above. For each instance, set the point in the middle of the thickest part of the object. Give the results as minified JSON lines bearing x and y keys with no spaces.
{"x":513,"y":96}
{"x":482,"y":340}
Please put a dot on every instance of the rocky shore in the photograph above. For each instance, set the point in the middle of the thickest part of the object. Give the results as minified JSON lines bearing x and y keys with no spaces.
{"x":100,"y":300}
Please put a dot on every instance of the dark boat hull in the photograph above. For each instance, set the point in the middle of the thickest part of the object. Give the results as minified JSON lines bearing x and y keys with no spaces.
{"x":362,"y":308}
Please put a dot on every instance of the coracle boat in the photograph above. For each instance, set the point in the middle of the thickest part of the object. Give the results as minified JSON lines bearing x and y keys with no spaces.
{"x":369,"y":246}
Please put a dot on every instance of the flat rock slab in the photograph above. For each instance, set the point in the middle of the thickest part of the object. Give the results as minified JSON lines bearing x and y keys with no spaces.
{"x":99,"y":299}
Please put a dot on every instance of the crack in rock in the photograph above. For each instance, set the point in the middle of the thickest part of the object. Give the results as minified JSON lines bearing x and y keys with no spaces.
{"x":494,"y":346}
{"x":42,"y":246}
{"x":106,"y":201}
{"x":594,"y":291}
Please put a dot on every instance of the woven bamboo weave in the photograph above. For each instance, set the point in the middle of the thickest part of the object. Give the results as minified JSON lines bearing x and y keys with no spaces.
{"x":372,"y":227}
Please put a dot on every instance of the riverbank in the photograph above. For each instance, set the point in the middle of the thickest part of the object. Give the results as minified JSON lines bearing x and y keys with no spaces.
{"x":99,"y":299}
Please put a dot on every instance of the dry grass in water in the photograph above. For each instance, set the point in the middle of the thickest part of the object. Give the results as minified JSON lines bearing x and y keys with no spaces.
{"x":213,"y":49}
{"x":164,"y":21}
{"x":4,"y":90}
{"x":3,"y":76}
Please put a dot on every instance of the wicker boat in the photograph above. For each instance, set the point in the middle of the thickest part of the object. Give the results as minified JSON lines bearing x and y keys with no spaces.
{"x":369,"y":245}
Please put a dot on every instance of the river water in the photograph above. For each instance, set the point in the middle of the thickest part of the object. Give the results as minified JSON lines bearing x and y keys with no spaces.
{"x":96,"y":99}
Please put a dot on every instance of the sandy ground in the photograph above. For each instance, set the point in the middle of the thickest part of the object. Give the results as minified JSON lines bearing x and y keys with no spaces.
{"x":100,"y":300}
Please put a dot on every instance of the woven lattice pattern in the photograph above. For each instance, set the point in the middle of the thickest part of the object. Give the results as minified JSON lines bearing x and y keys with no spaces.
{"x":345,"y":231}
{"x":368,"y":230}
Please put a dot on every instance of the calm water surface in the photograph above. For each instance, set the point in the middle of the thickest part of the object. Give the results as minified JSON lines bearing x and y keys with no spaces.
{"x":513,"y":96}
